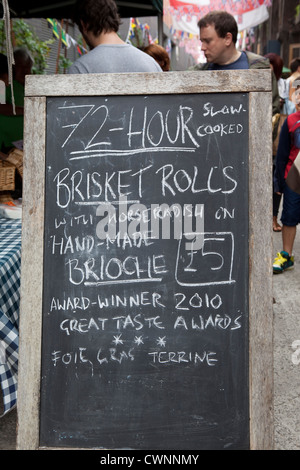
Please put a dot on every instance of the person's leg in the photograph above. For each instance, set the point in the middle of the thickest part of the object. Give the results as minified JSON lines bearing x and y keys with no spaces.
{"x":288,"y":238}
{"x":290,"y":219}
{"x":276,"y":204}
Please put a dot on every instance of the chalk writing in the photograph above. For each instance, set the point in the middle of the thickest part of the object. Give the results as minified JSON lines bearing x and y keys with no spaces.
{"x":115,"y":217}
{"x":81,"y":357}
{"x":146,"y":243}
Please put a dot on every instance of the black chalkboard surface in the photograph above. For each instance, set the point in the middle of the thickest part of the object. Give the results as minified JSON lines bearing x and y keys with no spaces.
{"x":145,"y":307}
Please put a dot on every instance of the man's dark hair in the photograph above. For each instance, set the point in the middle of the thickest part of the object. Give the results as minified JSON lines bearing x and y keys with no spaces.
{"x":222,"y":21}
{"x":97,"y":15}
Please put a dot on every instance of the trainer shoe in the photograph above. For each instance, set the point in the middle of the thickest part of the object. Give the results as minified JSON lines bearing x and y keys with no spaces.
{"x":282,"y":262}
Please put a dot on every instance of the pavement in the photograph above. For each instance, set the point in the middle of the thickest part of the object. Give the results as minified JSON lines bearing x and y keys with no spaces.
{"x":8,"y":429}
{"x":286,"y":307}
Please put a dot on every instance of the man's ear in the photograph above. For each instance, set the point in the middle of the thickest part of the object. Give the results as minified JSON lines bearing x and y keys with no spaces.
{"x":83,"y":28}
{"x":228,"y":39}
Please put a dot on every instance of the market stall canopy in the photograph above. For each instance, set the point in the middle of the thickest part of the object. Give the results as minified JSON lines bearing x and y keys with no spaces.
{"x":63,"y":9}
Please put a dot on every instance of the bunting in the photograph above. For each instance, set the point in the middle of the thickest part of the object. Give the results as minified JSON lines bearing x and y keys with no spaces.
{"x":139,"y":34}
{"x":186,"y":14}
{"x":58,"y":34}
{"x":66,"y":39}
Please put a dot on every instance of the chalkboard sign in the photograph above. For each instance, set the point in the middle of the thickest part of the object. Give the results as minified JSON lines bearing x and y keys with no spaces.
{"x":145,"y":335}
{"x":145,"y":297}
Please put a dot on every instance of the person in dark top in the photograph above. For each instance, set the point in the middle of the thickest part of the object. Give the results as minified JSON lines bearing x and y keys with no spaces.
{"x":218,"y":35}
{"x":288,"y":150}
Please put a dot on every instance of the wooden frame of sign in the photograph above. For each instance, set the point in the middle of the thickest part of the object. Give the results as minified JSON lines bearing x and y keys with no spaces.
{"x":255,"y":85}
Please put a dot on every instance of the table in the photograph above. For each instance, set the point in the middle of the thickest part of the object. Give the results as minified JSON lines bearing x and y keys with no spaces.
{"x":10,"y":270}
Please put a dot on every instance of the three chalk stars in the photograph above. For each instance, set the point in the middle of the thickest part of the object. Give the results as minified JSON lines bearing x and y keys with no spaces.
{"x":161,"y":341}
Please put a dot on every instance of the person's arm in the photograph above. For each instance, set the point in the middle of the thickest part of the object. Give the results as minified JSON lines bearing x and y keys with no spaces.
{"x":282,"y":158}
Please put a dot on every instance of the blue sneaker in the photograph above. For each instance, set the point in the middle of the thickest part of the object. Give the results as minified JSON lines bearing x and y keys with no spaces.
{"x":282,"y":262}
